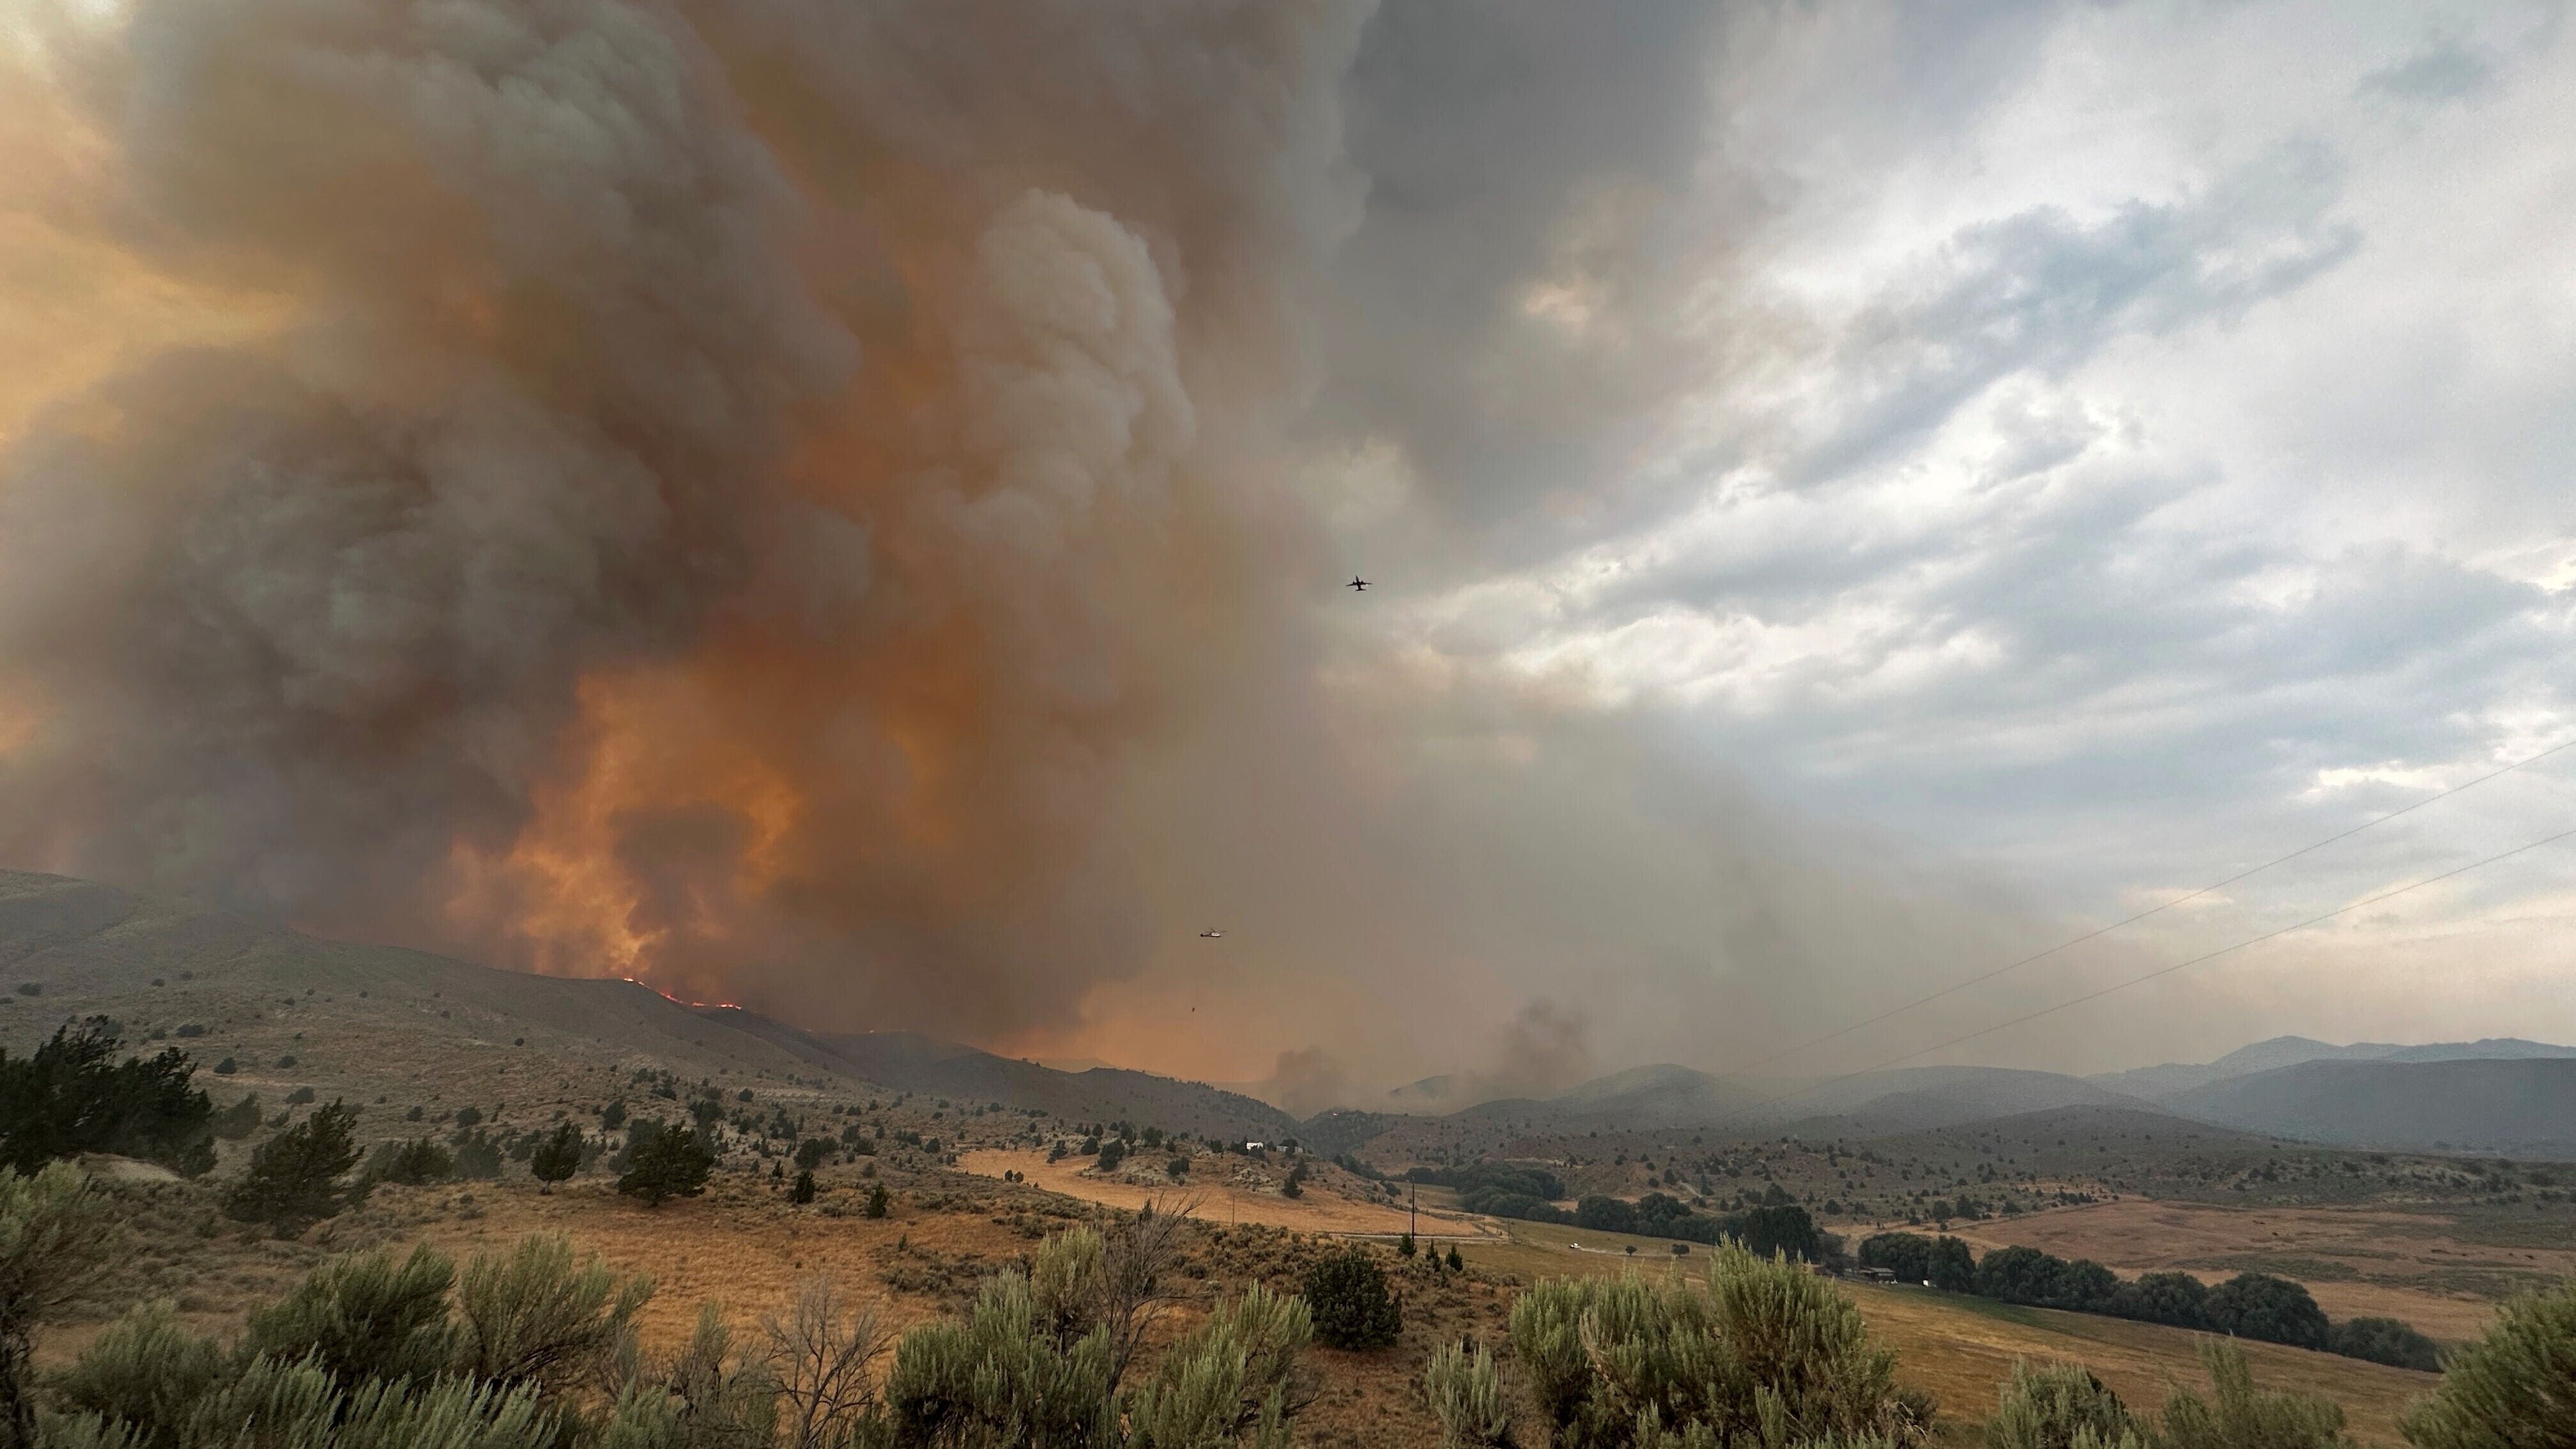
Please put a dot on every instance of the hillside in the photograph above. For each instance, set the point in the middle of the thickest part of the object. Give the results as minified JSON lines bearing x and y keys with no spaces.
{"x":1101,"y":1094}
{"x":1916,"y":1099}
{"x":2168,"y":1078}
{"x":404,"y":1027}
{"x":2520,"y":1107}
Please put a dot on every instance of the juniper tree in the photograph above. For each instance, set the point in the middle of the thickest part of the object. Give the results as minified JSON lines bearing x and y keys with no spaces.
{"x":294,"y":1178}
{"x":558,"y":1157}
{"x":669,"y":1163}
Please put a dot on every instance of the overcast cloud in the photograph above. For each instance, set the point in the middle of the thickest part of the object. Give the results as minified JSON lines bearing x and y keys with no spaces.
{"x":2104,"y":445}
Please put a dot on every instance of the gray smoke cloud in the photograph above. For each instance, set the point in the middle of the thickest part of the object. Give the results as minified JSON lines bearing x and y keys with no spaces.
{"x":812,"y":505}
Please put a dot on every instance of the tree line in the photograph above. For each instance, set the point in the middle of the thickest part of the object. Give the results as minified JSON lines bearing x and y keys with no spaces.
{"x":2249,"y":1305}
{"x":1776,"y":1224}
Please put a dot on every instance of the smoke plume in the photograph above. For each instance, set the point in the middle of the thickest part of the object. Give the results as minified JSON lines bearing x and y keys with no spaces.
{"x":812,"y":504}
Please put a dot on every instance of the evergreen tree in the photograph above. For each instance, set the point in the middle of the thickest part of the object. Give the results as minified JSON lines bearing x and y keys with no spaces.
{"x":558,"y":1157}
{"x":294,"y":1178}
{"x":671,"y":1163}
{"x":412,"y":1164}
{"x":1352,"y":1307}
{"x":72,"y":1096}
{"x":2275,"y":1310}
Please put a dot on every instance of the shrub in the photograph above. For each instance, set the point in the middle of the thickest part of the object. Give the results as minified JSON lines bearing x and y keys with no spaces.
{"x":1466,"y":1392}
{"x":813,"y":1152}
{"x":412,"y":1164}
{"x":55,"y":1234}
{"x":2385,"y":1340}
{"x":669,"y":1163}
{"x":1404,"y":1246}
{"x":285,"y":1063}
{"x":226,"y":1067}
{"x":146,"y":1372}
{"x":1347,"y":1294}
{"x":300,"y":1096}
{"x":2056,"y":1405}
{"x":558,"y":1157}
{"x":191,"y":1029}
{"x":1039,"y":1360}
{"x":271,"y":1402}
{"x":878,"y":1201}
{"x":1112,"y":1153}
{"x":237,"y":1121}
{"x":293,"y":1179}
{"x":2243,"y":1417}
{"x":364,"y":1316}
{"x":803,"y":1190}
{"x":2275,"y":1310}
{"x":2508,"y":1390}
{"x":538,"y":1320}
{"x":1763,"y":1353}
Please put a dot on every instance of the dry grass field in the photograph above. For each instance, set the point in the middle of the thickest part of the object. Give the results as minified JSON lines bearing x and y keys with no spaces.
{"x":745,"y":1247}
{"x":2425,"y":1268}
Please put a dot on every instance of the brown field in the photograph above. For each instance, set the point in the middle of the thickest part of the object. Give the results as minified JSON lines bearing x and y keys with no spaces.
{"x":1321,"y":1210}
{"x":745,"y":1248}
{"x":2357,"y":1261}
{"x":1962,"y":1349}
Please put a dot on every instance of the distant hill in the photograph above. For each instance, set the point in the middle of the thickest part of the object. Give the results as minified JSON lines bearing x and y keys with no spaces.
{"x":1921,"y":1098}
{"x":1665,"y":1096}
{"x":149,"y":963}
{"x":382,"y":1022}
{"x":2522,"y":1107}
{"x":1662,"y":1095}
{"x":916,"y":1063}
{"x":2288,"y":1051}
{"x":1430,"y":1091}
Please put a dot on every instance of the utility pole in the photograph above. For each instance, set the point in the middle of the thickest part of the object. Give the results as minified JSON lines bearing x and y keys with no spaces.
{"x":1413,"y":1213}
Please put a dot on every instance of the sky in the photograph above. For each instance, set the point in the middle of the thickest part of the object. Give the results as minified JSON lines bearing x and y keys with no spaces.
{"x":842,"y":508}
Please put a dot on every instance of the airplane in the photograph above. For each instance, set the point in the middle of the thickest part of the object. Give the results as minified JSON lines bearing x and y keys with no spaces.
{"x":1211,"y":935}
{"x":1357,"y":583}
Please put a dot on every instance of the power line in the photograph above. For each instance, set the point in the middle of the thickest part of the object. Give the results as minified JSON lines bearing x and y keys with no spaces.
{"x":2152,"y":975}
{"x":1978,"y":980}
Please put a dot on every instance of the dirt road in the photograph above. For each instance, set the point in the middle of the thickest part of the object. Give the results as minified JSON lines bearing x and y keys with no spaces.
{"x":1319,"y":1211}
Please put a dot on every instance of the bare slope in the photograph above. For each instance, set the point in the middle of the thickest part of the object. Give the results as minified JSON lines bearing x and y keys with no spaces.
{"x":412,"y":1027}
{"x":2522,"y":1108}
{"x":2168,"y":1078}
